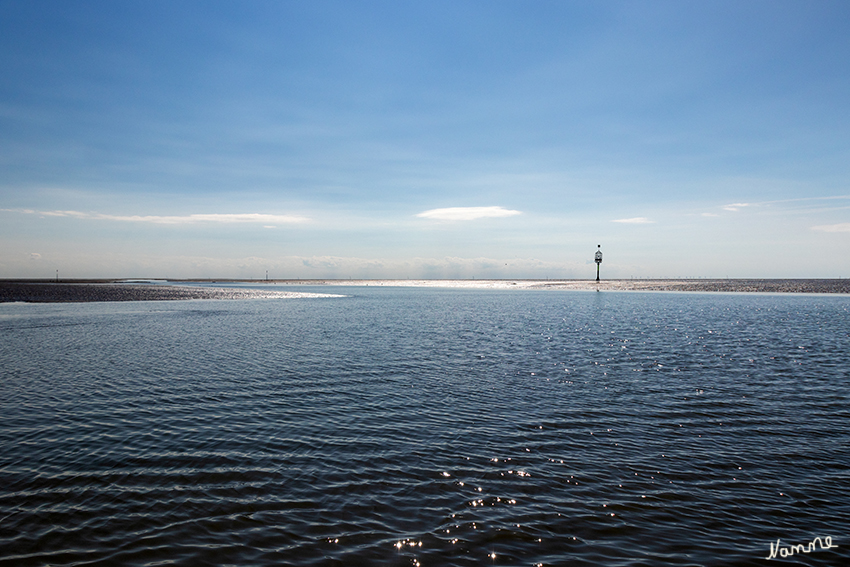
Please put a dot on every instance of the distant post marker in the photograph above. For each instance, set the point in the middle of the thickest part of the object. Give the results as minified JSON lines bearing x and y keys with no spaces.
{"x":598,"y":259}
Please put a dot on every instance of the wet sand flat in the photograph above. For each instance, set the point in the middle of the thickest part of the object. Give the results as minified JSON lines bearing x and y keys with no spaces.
{"x":37,"y":292}
{"x":718,"y":285}
{"x":105,"y":290}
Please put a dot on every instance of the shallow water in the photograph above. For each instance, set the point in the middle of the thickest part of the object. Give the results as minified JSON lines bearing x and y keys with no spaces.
{"x":426,"y":426}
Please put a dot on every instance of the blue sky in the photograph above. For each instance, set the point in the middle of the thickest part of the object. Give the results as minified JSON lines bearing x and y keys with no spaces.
{"x":432,"y":139}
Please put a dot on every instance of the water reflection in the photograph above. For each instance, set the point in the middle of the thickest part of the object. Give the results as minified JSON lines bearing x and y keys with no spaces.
{"x":394,"y":426}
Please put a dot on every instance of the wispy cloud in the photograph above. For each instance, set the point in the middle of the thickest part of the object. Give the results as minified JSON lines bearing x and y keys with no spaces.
{"x":841,"y":227}
{"x":735,"y":207}
{"x":225,"y":218}
{"x":801,"y":199}
{"x":709,"y":215}
{"x":635,"y":220}
{"x":467,"y":213}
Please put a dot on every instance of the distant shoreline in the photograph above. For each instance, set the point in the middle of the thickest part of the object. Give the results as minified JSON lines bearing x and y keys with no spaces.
{"x":88,"y":290}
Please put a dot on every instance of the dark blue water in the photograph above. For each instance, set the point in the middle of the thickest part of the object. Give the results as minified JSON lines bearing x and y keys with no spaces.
{"x":426,"y":426}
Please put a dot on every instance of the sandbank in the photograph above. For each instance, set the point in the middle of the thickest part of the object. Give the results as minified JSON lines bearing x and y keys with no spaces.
{"x":43,"y":291}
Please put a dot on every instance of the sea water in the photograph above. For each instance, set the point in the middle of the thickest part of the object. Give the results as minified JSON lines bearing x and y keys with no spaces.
{"x":427,"y":427}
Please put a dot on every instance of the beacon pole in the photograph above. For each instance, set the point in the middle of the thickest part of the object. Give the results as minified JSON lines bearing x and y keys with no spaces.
{"x":598,"y":259}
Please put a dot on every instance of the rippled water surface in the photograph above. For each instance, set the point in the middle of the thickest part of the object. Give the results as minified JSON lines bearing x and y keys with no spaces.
{"x":426,"y":426}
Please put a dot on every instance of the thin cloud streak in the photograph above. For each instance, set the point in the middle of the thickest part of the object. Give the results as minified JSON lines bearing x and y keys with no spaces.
{"x":635,"y":220}
{"x":467,"y":213}
{"x":827,"y":198}
{"x":224,"y":218}
{"x":841,"y":227}
{"x":735,"y":207}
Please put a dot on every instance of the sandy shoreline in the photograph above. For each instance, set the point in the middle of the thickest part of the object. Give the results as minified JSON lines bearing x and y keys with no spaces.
{"x":43,"y":291}
{"x":726,"y":285}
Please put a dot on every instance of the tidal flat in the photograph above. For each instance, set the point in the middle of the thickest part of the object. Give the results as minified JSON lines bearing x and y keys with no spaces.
{"x":75,"y":291}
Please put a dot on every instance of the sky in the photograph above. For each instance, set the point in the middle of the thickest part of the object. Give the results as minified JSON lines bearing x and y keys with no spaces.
{"x":457,"y":139}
